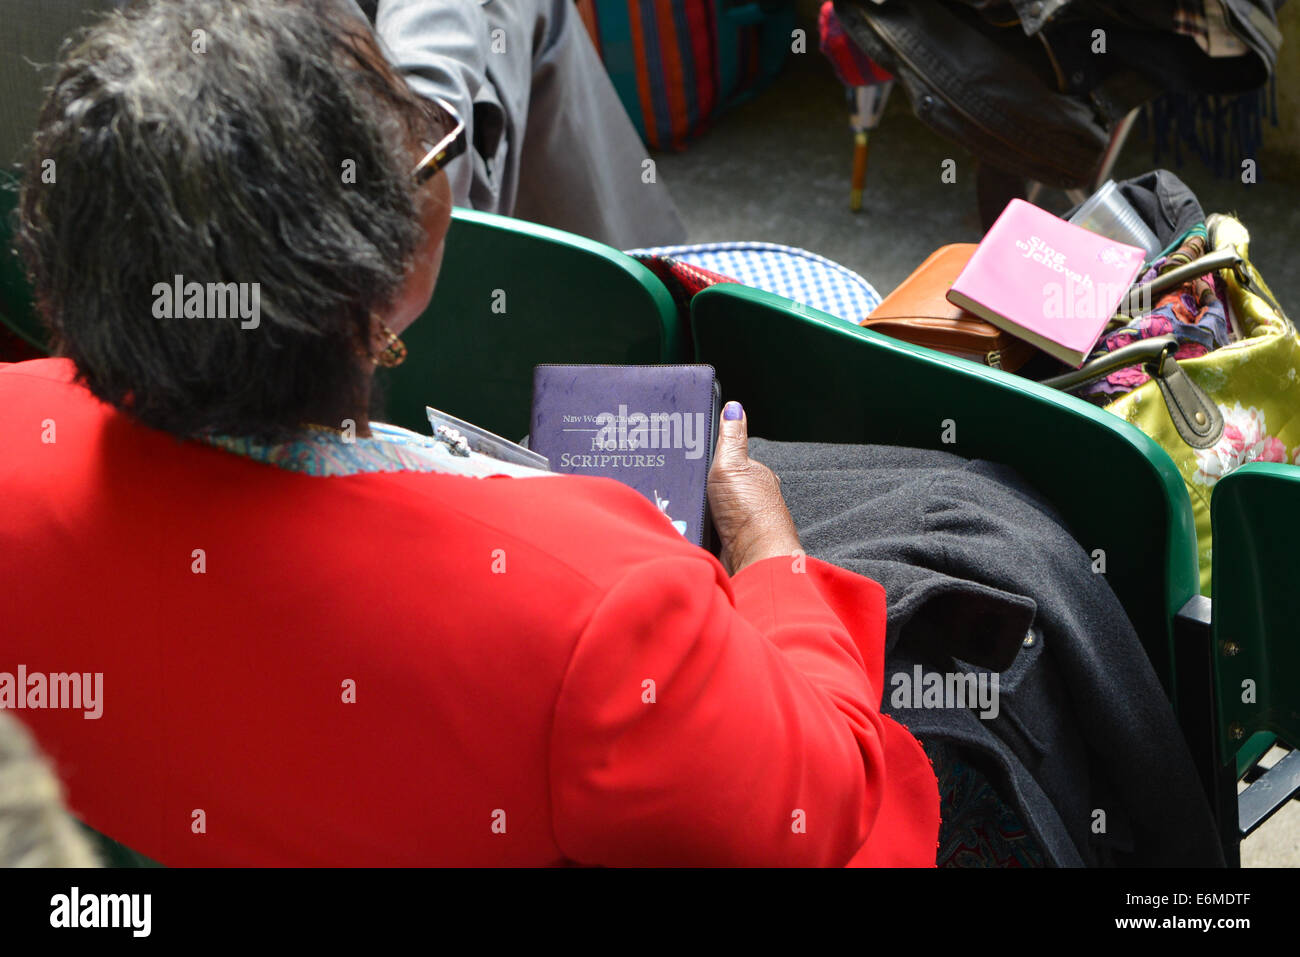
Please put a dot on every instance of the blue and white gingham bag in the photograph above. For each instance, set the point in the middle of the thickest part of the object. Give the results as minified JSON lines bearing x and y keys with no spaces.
{"x":783,"y":270}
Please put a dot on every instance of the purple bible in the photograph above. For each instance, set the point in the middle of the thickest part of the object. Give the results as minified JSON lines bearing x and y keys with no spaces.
{"x":650,"y":427}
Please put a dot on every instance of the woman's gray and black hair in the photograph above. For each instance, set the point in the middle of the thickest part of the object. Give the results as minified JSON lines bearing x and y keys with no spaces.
{"x":223,"y":141}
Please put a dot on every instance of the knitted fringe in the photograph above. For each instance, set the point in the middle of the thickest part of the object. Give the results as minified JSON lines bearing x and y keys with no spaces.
{"x":1221,"y":131}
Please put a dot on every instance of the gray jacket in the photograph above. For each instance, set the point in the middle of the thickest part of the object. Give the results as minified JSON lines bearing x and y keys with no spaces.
{"x":551,"y":140}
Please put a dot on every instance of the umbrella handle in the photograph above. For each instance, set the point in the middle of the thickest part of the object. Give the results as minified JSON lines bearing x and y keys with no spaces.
{"x":859,"y":180}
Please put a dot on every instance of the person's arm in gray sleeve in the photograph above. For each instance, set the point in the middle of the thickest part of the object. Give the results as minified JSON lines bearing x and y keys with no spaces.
{"x":439,"y":47}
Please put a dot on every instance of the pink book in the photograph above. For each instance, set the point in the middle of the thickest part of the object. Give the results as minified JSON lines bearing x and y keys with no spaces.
{"x":1047,"y":281}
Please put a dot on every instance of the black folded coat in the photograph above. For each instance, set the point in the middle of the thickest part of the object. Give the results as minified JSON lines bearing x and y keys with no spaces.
{"x":982,"y":576}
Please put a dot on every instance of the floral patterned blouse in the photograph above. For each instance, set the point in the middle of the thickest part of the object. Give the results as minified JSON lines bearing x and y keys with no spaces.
{"x":388,"y":448}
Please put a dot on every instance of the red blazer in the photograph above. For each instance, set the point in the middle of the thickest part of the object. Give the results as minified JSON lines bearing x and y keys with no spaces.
{"x":543,"y":670}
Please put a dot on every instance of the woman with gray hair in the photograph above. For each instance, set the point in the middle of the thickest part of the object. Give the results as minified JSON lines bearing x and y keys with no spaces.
{"x":325,"y":641}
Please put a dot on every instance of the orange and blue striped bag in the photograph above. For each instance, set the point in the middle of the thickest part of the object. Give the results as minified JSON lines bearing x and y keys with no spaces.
{"x":677,"y":63}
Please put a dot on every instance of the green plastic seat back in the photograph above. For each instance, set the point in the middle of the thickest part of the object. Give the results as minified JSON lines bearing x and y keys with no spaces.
{"x":511,"y":295}
{"x":805,"y":375}
{"x":112,"y":853}
{"x":1255,"y":519}
{"x":16,"y":311}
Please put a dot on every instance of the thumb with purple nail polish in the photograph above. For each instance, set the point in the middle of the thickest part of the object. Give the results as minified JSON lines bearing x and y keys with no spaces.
{"x":749,"y":513}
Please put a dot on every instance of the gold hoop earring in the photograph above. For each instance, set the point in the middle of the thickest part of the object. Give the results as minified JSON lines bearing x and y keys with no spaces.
{"x":394,"y":352}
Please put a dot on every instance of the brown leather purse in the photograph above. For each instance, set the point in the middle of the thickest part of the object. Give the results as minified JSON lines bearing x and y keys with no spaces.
{"x":919,"y":312}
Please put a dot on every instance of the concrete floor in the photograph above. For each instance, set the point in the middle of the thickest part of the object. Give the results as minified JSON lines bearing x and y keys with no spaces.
{"x":777,"y":169}
{"x":1277,"y":842}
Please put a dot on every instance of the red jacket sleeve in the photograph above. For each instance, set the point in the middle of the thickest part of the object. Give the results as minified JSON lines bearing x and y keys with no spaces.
{"x":712,"y":721}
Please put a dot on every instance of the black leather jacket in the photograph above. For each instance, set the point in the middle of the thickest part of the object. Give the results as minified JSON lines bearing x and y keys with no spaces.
{"x":1022,"y":84}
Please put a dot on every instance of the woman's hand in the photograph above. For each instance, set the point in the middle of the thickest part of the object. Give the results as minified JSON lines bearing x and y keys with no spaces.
{"x":749,"y":513}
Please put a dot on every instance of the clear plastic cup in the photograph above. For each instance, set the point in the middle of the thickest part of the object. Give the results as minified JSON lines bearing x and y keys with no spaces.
{"x":1107,"y":213}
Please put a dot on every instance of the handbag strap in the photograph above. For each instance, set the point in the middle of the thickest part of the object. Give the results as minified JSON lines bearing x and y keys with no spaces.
{"x":1198,"y":421}
{"x":1143,"y":351}
{"x":1244,"y":272}
{"x":1143,"y":296}
{"x":1195,"y":416}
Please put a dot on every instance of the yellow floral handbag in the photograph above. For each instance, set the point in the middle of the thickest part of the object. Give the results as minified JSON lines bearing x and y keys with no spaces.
{"x":1253,"y":384}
